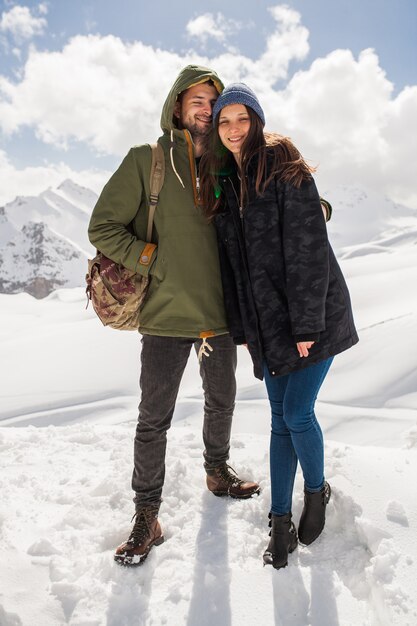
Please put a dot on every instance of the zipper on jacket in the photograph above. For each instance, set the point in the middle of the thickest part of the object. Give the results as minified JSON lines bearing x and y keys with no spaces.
{"x":242,"y":224}
{"x":238,"y":201}
{"x":193,"y":170}
{"x":246,"y":262}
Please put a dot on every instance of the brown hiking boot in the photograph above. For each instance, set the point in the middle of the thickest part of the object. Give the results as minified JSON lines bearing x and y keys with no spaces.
{"x":146,"y":532}
{"x":222,"y":482}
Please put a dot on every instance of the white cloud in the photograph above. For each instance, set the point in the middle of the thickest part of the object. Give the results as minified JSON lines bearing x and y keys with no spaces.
{"x":97,"y":90}
{"x":217,"y":27}
{"x":109,"y":94}
{"x":288,"y":42}
{"x":21,"y":24}
{"x":340,"y":111}
{"x":33,"y":180}
{"x":342,"y":114}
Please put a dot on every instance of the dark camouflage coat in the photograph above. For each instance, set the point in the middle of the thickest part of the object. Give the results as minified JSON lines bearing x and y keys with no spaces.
{"x":281,"y":281}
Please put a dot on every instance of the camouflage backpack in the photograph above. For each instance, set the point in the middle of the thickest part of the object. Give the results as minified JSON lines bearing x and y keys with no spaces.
{"x":117,"y":293}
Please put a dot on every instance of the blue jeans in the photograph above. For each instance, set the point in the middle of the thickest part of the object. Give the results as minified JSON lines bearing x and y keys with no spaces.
{"x":295,"y":432}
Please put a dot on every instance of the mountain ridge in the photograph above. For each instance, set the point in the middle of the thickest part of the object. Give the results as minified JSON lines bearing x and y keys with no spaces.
{"x":39,"y":259}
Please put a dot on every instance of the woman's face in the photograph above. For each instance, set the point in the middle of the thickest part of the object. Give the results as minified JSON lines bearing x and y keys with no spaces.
{"x":234,"y":125}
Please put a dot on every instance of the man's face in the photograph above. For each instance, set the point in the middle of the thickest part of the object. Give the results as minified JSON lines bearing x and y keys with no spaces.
{"x":195,"y":109}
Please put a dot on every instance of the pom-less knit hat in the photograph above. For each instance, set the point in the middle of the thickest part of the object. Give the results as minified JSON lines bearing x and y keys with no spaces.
{"x":238,"y":93}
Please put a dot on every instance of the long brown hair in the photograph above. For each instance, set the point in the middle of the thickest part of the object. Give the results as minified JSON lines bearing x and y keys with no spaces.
{"x":217,"y":161}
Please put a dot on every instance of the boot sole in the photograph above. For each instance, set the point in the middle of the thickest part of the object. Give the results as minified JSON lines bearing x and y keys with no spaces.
{"x":127,"y":561}
{"x":277,"y":565}
{"x":221,"y":494}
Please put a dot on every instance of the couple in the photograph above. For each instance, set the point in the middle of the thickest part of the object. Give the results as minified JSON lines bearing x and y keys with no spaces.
{"x":239,"y":255}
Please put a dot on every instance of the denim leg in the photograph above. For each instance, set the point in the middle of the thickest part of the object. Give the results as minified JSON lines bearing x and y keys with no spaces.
{"x":282,"y":456}
{"x":307,"y":437}
{"x":163,"y":360}
{"x":292,"y":399}
{"x":219,"y":384}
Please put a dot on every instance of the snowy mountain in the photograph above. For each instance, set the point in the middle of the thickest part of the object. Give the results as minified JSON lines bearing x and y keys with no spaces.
{"x":43,"y":242}
{"x":38,"y":261}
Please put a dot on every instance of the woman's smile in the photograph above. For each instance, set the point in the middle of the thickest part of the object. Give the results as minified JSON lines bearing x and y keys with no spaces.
{"x":234,"y":125}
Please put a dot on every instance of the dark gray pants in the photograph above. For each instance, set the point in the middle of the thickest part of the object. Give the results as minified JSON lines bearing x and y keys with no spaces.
{"x":163,"y":361}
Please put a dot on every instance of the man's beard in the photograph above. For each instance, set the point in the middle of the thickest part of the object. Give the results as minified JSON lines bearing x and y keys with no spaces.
{"x":200,"y":131}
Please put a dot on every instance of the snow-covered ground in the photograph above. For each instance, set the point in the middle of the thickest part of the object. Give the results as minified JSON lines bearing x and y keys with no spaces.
{"x":69,"y":393}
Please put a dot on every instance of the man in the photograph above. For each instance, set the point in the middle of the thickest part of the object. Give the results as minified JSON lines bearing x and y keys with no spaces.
{"x":184,"y":304}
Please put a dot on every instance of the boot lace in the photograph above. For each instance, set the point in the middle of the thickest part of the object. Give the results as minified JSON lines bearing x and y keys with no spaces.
{"x":225,"y":472}
{"x":141,"y":528}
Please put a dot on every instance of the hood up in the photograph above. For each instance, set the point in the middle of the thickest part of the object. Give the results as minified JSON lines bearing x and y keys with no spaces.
{"x":188,"y":77}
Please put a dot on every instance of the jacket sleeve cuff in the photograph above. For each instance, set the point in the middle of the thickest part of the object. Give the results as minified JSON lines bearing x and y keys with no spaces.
{"x":146,"y":258}
{"x":307,"y":337}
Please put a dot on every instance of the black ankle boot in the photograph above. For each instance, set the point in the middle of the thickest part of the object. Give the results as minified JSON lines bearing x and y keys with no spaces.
{"x":283,"y":541}
{"x":313,"y":516}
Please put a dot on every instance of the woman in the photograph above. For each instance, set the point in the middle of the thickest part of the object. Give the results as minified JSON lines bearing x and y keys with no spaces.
{"x":285,"y":296}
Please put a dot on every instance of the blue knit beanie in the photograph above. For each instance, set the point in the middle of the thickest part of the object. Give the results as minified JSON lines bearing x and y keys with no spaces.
{"x":238,"y":93}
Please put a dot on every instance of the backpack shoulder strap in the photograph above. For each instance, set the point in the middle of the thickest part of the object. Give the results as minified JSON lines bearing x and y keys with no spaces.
{"x":155,"y":183}
{"x":327,"y":209}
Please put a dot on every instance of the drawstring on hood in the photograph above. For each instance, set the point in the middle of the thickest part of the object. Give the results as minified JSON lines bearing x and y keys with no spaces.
{"x":171,"y":156}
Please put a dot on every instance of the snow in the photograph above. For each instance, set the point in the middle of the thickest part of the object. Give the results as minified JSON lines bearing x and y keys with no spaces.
{"x":69,"y":392}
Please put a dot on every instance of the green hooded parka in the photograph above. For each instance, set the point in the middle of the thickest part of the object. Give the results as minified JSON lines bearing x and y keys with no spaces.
{"x":185,"y":297}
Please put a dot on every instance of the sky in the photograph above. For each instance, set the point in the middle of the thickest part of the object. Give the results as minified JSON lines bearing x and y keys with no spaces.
{"x":80,"y":82}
